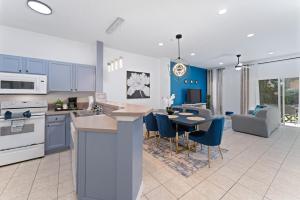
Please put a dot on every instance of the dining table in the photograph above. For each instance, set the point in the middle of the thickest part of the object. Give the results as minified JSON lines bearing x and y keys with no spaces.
{"x":185,"y":119}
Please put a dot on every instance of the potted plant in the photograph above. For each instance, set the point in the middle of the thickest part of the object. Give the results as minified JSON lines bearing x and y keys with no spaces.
{"x":208,"y":101}
{"x":58,"y":104}
{"x":168,"y":101}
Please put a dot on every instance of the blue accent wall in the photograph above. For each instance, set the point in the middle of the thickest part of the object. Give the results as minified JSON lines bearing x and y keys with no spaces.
{"x":179,"y":88}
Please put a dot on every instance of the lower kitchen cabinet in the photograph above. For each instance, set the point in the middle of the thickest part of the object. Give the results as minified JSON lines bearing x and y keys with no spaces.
{"x":68,"y":131}
{"x":57,"y":133}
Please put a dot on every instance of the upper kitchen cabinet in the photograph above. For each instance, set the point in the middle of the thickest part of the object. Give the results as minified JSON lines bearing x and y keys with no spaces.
{"x":10,"y":63}
{"x":34,"y":66}
{"x":60,"y":76}
{"x":71,"y":77}
{"x":18,"y":64}
{"x":85,"y":78}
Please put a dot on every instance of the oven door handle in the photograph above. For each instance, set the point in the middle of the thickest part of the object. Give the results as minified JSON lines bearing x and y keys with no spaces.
{"x":23,"y":118}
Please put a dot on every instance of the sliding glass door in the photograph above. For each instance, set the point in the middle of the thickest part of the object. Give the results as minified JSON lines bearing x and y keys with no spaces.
{"x":291,"y":101}
{"x":269,"y":92}
{"x":284,"y":94}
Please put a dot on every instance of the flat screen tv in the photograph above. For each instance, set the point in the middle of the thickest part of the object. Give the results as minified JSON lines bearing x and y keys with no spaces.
{"x":193,"y":96}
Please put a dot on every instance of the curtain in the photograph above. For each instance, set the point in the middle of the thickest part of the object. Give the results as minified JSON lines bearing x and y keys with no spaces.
{"x":219,"y":96}
{"x":245,"y":90}
{"x":210,"y":90}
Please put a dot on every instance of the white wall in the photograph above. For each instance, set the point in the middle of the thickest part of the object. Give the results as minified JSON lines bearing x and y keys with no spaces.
{"x":165,"y":82}
{"x":231,"y":90}
{"x":31,"y":44}
{"x":114,"y":83}
{"x":232,"y":81}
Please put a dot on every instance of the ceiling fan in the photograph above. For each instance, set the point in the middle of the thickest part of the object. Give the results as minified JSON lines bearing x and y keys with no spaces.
{"x":239,"y":65}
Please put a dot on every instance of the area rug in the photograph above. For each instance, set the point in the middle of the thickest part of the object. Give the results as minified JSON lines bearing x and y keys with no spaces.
{"x":181,"y":162}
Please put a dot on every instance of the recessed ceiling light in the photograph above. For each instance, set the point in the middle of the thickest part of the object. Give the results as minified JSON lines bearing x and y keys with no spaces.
{"x":39,"y":7}
{"x":160,"y":44}
{"x":250,"y":35}
{"x":222,"y":11}
{"x":271,"y":53}
{"x":220,"y":63}
{"x":193,"y":54}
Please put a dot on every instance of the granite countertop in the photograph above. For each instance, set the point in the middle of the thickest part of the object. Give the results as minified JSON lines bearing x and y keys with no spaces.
{"x":95,"y":123}
{"x":125,"y":109}
{"x":104,"y":123}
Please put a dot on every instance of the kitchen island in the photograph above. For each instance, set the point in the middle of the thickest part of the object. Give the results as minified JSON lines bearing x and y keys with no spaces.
{"x":107,"y":152}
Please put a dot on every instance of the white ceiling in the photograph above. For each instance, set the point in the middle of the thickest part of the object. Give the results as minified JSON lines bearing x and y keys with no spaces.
{"x":214,"y":38}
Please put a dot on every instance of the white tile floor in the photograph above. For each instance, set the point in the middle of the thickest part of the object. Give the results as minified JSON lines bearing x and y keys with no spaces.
{"x":253,"y":168}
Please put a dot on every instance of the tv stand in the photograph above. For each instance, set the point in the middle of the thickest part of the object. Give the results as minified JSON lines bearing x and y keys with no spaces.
{"x":198,"y":105}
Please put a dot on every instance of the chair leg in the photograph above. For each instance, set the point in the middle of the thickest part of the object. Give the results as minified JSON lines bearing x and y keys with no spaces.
{"x":170,"y":139}
{"x":220,"y":152}
{"x":177,"y":139}
{"x":189,"y":147}
{"x":208,"y":156}
{"x":158,"y":140}
{"x":148,"y":134}
{"x":201,"y":147}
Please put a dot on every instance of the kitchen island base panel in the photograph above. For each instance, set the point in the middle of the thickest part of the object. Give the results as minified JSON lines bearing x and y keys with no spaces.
{"x":109,"y":166}
{"x":130,"y":158}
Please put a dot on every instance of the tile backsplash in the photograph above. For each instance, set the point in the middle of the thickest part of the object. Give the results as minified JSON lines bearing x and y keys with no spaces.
{"x":51,"y":97}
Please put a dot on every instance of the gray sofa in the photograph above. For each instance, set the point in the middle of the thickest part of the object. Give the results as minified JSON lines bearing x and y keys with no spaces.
{"x":263,"y":123}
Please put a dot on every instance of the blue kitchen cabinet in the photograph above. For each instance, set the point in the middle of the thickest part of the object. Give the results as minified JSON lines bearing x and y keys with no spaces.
{"x":34,"y":66}
{"x":60,"y":76}
{"x":68,"y":130}
{"x":18,"y":64}
{"x":85,"y":78}
{"x":10,"y":63}
{"x":57,"y":133}
{"x":55,"y":136}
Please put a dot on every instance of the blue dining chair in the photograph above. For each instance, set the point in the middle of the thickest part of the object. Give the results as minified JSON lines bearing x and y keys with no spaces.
{"x":212,"y":137}
{"x":166,"y":130}
{"x":150,"y":123}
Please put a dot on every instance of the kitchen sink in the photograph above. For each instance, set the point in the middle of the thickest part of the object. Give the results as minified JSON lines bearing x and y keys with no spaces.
{"x":84,"y":113}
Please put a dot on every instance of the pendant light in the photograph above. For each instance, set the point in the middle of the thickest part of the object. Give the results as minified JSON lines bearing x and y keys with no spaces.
{"x":179,"y":68}
{"x":239,"y":65}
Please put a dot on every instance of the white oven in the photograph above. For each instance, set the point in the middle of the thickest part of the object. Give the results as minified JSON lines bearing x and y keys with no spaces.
{"x":22,"y":138}
{"x":13,"y":83}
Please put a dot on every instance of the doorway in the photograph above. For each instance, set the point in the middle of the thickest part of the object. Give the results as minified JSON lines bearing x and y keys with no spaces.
{"x":284,"y":94}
